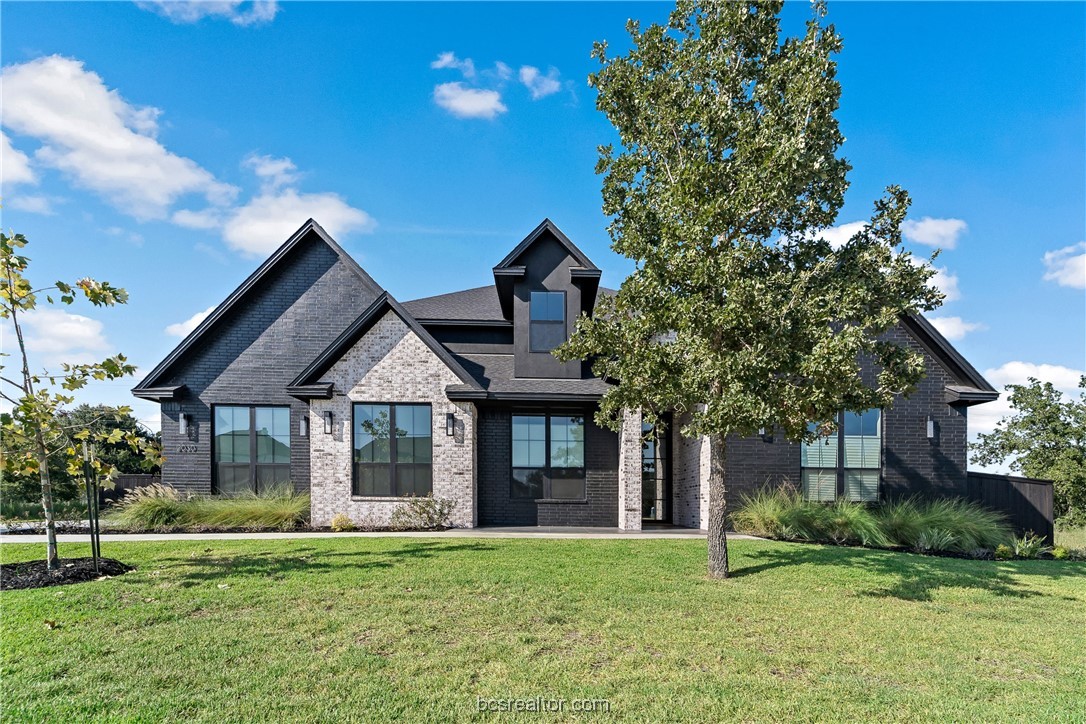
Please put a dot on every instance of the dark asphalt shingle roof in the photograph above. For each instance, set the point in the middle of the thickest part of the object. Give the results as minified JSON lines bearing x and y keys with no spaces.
{"x":479,"y":304}
{"x":494,"y":372}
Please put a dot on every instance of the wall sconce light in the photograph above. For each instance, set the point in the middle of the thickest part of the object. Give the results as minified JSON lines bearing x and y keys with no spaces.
{"x":183,"y":423}
{"x":931,"y":428}
{"x":303,"y":426}
{"x":766,"y":435}
{"x":328,"y":423}
{"x":450,"y":424}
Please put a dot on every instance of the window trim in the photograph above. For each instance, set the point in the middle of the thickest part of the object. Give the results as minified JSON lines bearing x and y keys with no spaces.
{"x":548,"y":322}
{"x":392,"y":451}
{"x":840,"y":470}
{"x":253,"y":464}
{"x":546,"y":496}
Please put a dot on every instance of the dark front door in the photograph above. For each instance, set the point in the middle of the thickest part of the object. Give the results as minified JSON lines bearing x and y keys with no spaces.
{"x":655,"y":475}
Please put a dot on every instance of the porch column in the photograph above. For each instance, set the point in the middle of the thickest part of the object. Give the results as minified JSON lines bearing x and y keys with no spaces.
{"x":629,"y":471}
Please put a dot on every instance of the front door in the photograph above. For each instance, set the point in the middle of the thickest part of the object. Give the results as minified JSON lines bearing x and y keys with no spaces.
{"x":655,"y":476}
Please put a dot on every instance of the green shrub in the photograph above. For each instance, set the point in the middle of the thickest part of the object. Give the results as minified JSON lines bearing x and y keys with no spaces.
{"x":972,"y":526}
{"x":422,"y":513}
{"x":1029,"y":546}
{"x":1060,"y":553}
{"x":158,"y":507}
{"x":1003,"y":552}
{"x":935,"y":526}
{"x":342,"y":523}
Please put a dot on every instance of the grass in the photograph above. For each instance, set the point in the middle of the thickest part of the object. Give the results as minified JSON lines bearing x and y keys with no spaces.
{"x":1071,"y":538}
{"x":158,"y":507}
{"x":383,"y":628}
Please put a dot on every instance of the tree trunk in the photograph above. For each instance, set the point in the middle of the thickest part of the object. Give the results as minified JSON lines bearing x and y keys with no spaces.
{"x":718,"y":509}
{"x":51,"y":558}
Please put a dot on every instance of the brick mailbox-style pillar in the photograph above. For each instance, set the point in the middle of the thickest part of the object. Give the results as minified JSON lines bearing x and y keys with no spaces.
{"x":629,"y":471}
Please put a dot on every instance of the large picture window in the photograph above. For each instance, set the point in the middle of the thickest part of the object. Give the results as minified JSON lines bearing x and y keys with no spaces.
{"x":393,"y":450}
{"x":548,"y":456}
{"x":547,"y":320}
{"x":252,"y":449}
{"x":847,"y":463}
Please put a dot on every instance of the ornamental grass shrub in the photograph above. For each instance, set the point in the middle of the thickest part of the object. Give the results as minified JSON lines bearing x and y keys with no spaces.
{"x":160,"y":507}
{"x":928,"y":526}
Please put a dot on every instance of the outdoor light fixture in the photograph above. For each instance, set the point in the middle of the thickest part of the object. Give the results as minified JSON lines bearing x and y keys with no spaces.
{"x":328,"y":423}
{"x":931,"y":428}
{"x":450,"y":424}
{"x":183,"y":424}
{"x":303,"y":426}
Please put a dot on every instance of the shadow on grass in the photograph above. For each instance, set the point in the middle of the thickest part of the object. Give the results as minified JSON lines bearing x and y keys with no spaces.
{"x":212,"y":565}
{"x":916,"y":577}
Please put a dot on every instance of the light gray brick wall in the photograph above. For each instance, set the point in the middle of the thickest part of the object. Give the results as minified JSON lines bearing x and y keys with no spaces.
{"x":390,"y":364}
{"x":690,"y":477}
{"x":629,"y":471}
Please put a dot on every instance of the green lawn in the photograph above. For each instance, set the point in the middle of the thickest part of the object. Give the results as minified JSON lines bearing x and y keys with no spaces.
{"x":1073,"y":538}
{"x":376,"y":628}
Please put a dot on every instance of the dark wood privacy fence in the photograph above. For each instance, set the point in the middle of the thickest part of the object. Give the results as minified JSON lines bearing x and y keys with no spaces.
{"x":1026,"y":502}
{"x":123,"y":484}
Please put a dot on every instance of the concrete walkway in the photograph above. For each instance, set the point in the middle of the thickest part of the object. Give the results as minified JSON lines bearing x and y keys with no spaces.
{"x":660,"y":533}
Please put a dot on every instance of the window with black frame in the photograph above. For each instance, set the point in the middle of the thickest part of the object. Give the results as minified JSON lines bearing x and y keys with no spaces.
{"x":252,"y":449}
{"x":548,"y":456}
{"x":392,"y":450}
{"x":547,"y":320}
{"x":846,"y":463}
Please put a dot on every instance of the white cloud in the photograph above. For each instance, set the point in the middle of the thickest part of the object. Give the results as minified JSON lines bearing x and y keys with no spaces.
{"x":267,"y":220}
{"x":273,"y":172}
{"x":502,"y":71}
{"x":538,"y":84}
{"x":104,"y":143}
{"x":14,"y":165}
{"x":943,"y":233}
{"x":206,"y":219}
{"x":465,"y":102}
{"x":54,"y":336}
{"x":947,"y":283}
{"x":192,"y":11}
{"x":1067,"y":266}
{"x":448,"y":59}
{"x":955,"y":328}
{"x":838,"y":236}
{"x":182,"y":329}
{"x":31,"y":204}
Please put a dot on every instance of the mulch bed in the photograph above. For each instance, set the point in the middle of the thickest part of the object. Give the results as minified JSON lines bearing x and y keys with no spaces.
{"x":35,"y":574}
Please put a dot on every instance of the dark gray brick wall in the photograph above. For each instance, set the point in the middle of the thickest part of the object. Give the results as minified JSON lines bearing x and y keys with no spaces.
{"x":266,"y":340}
{"x":496,"y":459}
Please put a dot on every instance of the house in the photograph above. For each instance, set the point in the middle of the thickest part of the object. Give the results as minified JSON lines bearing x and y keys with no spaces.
{"x":310,"y":374}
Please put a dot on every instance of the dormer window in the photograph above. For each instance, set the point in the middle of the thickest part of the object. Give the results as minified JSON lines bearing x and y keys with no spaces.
{"x":547,"y":321}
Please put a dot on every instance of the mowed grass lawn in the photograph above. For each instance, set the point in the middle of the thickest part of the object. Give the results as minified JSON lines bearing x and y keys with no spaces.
{"x":417,"y":629}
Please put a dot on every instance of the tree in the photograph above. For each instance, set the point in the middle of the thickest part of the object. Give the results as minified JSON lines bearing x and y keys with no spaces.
{"x":1044,"y":438}
{"x":739,"y":313}
{"x":35,"y":424}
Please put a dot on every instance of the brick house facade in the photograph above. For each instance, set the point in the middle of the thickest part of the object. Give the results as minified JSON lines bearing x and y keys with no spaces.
{"x":311,"y":375}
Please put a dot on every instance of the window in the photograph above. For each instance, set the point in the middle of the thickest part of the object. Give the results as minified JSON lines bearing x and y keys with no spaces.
{"x":547,"y":320}
{"x":393,"y":450}
{"x":848,"y":462}
{"x":548,"y":457}
{"x":252,"y":448}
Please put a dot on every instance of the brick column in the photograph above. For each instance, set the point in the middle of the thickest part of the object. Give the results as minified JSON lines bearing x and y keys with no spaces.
{"x":629,"y":471}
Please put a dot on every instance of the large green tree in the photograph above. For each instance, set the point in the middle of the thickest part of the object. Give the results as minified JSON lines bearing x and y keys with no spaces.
{"x":739,"y":313}
{"x":1044,"y":438}
{"x":36,"y":432}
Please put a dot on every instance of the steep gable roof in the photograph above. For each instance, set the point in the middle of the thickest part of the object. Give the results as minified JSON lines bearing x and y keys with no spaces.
{"x":308,"y":384}
{"x":151,"y":387}
{"x":972,"y":389}
{"x":507,"y":272}
{"x":470,"y":305}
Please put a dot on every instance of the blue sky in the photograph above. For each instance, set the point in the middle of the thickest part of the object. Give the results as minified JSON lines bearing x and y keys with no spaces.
{"x":169,"y":148}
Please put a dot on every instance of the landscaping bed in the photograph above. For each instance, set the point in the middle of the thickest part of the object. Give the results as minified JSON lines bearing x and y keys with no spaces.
{"x":35,"y":574}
